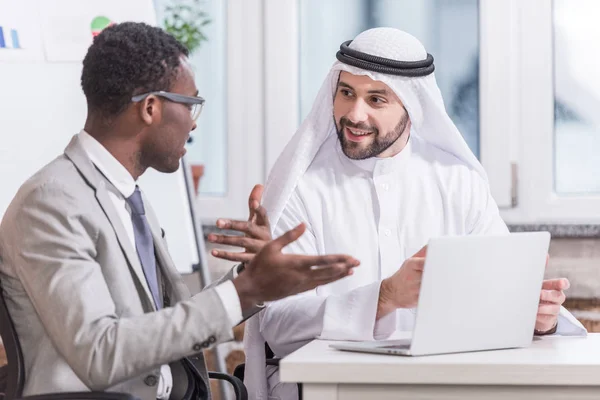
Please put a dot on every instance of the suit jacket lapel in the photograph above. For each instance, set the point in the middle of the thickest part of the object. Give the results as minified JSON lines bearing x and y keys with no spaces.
{"x":77,"y":155}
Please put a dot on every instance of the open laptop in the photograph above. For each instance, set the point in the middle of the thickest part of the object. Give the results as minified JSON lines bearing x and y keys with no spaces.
{"x":477,"y":293}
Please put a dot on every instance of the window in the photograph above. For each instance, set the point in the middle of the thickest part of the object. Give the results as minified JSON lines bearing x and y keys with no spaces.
{"x":209,"y":146}
{"x":557,"y":135}
{"x":506,"y":69}
{"x":576,"y":97}
{"x":207,"y":153}
{"x":228,"y":142}
{"x":466,"y":37}
{"x":511,"y":72}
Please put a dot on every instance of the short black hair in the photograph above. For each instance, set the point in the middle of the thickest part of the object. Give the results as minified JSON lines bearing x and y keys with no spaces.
{"x":127,"y":59}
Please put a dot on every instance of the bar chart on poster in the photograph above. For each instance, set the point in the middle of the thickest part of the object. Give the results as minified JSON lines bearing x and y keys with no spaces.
{"x":10,"y":40}
{"x":20,"y":34}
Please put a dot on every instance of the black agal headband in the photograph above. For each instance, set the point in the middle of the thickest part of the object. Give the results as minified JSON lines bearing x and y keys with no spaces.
{"x":383,"y":65}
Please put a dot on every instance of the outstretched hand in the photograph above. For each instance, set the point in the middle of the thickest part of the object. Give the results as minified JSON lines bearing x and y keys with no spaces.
{"x":272,"y":275}
{"x":256,"y":231}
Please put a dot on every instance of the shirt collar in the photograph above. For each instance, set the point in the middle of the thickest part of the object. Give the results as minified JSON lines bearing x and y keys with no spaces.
{"x":110,"y":167}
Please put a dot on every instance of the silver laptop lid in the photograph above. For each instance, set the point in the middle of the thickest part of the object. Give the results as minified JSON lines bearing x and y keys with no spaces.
{"x":479,"y":292}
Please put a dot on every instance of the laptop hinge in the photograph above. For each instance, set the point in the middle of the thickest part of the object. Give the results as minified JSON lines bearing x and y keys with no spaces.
{"x":514,"y":185}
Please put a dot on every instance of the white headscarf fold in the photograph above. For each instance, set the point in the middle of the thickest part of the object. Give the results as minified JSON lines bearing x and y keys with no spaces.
{"x":423,"y":101}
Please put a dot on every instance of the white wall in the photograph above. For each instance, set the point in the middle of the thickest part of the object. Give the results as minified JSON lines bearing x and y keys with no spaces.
{"x":42,"y":106}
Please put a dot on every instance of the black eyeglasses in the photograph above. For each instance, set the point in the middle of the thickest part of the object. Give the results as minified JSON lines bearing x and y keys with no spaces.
{"x":196,"y":103}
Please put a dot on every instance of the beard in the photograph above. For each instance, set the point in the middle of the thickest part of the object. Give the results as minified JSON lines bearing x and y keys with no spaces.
{"x":162,"y":156}
{"x":380,"y":143}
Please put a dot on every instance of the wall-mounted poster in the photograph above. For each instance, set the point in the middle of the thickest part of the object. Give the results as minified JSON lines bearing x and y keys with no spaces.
{"x":69,"y":26}
{"x":20,"y":35}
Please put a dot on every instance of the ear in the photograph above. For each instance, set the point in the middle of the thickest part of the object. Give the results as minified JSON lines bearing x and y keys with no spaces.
{"x":150,"y":110}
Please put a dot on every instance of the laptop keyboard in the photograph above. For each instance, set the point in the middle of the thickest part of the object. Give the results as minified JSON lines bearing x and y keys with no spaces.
{"x":397,"y":345}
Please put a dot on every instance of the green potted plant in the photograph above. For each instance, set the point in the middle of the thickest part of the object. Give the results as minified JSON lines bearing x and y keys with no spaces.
{"x":186,"y":20}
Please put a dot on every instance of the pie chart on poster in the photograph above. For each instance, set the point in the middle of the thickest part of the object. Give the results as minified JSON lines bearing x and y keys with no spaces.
{"x":99,"y":23}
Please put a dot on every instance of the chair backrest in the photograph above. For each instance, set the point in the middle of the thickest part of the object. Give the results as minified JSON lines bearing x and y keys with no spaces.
{"x":15,"y":377}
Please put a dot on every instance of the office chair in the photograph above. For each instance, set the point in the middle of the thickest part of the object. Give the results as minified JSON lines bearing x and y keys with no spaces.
{"x":12,"y":376}
{"x":240,"y":371}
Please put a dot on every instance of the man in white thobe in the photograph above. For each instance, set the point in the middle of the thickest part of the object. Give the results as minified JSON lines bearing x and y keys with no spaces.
{"x":375,"y":170}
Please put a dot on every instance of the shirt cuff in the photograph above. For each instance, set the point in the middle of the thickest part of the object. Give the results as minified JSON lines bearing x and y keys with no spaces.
{"x":165,"y":383}
{"x":351,"y":315}
{"x":385,"y":326}
{"x":568,"y":325}
{"x":231,"y":301}
{"x":236,"y":270}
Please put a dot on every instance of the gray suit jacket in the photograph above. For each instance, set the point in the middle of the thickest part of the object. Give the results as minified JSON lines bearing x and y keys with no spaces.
{"x":72,"y":282}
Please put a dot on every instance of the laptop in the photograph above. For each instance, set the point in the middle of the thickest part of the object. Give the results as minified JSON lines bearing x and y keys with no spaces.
{"x":477,"y":293}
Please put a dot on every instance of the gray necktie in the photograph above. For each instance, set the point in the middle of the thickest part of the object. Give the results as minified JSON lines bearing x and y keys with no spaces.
{"x":144,"y":243}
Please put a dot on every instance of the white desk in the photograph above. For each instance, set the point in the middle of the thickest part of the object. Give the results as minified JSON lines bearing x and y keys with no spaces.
{"x":552,"y":368}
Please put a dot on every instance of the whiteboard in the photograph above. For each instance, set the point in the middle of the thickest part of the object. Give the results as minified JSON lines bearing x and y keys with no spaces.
{"x":42,"y":106}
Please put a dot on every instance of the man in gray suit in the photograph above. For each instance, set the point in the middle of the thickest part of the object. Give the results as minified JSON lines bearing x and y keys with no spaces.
{"x":95,"y":297}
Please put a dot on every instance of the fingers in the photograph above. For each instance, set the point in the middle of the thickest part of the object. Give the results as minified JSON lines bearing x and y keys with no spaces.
{"x":241,"y":226}
{"x":231,"y":256}
{"x":287,"y":238}
{"x":246,"y":227}
{"x":548,"y":309}
{"x":301,"y":261}
{"x":322,"y":275}
{"x":250,"y":244}
{"x":556,"y":284}
{"x":254,"y":200}
{"x":261,"y":217}
{"x":415,"y":263}
{"x":255,"y":196}
{"x":552,"y":296}
{"x":331,"y":272}
{"x":421,"y":253}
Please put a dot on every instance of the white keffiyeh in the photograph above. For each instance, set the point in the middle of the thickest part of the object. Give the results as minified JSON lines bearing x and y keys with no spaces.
{"x":423,"y":101}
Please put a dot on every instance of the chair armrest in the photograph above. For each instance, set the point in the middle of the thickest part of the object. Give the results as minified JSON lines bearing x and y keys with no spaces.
{"x":273,"y":361}
{"x":238,"y":386}
{"x":81,"y":396}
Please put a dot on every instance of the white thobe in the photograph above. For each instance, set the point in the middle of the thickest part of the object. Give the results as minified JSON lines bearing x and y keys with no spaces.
{"x":380,"y":211}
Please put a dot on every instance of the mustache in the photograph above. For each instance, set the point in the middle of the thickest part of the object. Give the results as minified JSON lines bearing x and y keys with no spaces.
{"x":346,"y":123}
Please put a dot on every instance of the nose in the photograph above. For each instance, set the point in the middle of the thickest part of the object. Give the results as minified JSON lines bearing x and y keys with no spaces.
{"x":358,"y":112}
{"x":194,"y":126}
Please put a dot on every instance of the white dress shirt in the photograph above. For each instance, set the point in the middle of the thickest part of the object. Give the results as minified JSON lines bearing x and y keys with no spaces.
{"x":380,"y":211}
{"x":125,"y":185}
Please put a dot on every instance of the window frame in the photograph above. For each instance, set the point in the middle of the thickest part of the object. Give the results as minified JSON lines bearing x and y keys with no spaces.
{"x":282,"y":94}
{"x":245,"y":109}
{"x":516,"y":107}
{"x":537,"y":201}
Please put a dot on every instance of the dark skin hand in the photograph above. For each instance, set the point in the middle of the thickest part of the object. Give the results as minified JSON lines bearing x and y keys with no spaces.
{"x":269,"y":274}
{"x":257,"y":231}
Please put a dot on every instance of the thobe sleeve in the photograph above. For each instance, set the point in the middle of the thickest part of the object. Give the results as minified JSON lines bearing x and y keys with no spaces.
{"x":290,"y":323}
{"x":484,"y":218}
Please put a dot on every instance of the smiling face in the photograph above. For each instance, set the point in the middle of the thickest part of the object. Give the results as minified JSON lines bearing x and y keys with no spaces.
{"x":370,"y":119}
